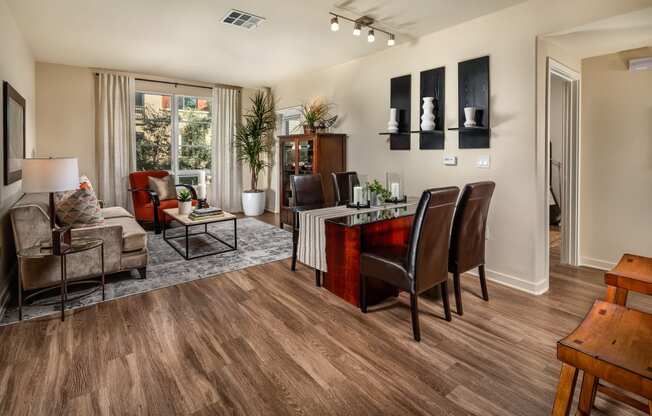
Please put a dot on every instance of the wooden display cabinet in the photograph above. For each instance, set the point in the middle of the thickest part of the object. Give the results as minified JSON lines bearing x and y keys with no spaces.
{"x":302,"y":154}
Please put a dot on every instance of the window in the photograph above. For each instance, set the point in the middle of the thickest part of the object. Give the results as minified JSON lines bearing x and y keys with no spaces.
{"x":174,"y":132}
{"x":289,"y":120}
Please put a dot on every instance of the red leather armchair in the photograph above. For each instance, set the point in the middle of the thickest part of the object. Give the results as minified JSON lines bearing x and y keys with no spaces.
{"x":148,"y":208}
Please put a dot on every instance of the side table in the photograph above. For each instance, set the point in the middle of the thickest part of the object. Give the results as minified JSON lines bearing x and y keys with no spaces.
{"x":77,"y":246}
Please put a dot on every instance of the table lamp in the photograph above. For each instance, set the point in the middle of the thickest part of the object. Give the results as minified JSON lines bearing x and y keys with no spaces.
{"x":50,"y":175}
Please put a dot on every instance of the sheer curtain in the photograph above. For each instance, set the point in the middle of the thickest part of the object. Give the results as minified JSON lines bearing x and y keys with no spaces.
{"x":226,"y":188}
{"x":115,"y":97}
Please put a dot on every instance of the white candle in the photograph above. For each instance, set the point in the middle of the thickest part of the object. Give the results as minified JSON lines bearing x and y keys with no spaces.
{"x":201,"y":191}
{"x":395,"y":190}
{"x":357,"y":194}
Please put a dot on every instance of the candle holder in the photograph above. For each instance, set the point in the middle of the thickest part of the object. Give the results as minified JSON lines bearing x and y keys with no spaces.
{"x":359,"y":205}
{"x":396,"y":200}
{"x":395,"y":187}
{"x":202,"y":203}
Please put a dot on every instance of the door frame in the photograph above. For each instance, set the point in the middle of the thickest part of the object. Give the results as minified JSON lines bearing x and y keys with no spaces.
{"x":571,"y":152}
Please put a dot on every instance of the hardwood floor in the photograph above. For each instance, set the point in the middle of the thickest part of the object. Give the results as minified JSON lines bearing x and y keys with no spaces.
{"x":266,"y":341}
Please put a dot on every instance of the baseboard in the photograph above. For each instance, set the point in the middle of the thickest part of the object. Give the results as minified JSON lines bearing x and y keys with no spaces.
{"x":533,"y":288}
{"x":597,"y":264}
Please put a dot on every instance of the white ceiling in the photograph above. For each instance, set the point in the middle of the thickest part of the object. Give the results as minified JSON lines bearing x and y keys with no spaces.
{"x":615,"y":34}
{"x":185,"y":39}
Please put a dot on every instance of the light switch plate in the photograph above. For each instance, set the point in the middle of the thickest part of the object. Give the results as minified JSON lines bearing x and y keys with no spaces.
{"x":484,"y":162}
{"x":450,"y":160}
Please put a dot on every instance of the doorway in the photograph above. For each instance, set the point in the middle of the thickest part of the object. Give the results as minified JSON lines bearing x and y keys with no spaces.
{"x":563,"y":156}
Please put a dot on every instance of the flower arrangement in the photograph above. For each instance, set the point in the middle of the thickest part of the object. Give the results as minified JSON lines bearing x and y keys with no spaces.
{"x":378,"y":189}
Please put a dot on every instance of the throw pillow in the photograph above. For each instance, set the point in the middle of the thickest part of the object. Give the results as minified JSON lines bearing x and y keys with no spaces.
{"x":78,"y":208}
{"x":164,"y":187}
{"x":84,"y":182}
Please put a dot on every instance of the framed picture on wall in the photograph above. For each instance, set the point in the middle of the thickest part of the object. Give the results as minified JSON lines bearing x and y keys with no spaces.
{"x":13,"y":133}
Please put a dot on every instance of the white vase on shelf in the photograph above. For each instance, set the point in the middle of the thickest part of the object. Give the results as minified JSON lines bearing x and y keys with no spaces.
{"x":428,"y":117}
{"x":392,"y":124}
{"x":469,"y":114}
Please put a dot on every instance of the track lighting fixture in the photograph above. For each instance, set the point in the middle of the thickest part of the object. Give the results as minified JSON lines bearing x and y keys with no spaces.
{"x":335,"y":24}
{"x":358,"y":24}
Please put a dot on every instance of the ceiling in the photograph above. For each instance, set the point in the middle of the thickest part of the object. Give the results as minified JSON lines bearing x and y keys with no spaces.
{"x":185,"y":39}
{"x":615,"y":34}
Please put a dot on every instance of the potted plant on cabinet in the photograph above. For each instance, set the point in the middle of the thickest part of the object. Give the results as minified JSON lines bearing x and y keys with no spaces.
{"x":314,"y":114}
{"x":253,"y":143}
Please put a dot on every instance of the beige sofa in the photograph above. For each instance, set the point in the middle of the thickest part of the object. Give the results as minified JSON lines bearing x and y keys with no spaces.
{"x":125,"y":244}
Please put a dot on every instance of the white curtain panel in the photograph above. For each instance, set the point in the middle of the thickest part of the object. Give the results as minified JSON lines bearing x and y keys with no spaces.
{"x":115,"y":99}
{"x":226,"y":186}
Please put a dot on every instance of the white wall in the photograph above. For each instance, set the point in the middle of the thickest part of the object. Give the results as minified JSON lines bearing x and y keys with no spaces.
{"x":360,"y":88}
{"x":616,"y":160}
{"x":16,"y":67}
{"x":66,"y":114}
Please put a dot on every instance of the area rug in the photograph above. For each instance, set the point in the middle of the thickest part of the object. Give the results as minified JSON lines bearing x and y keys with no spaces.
{"x":258,"y":243}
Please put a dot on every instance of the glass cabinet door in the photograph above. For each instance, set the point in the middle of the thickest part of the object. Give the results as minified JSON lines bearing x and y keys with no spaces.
{"x":288,"y":153}
{"x":306,"y":156}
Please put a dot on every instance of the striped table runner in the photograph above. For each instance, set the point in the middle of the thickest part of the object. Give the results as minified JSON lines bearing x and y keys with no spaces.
{"x":311,"y":248}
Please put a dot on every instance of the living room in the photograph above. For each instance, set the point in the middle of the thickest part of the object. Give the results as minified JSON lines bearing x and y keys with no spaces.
{"x":202,"y":205}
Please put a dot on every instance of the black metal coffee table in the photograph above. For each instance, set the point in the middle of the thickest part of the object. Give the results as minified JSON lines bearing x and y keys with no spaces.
{"x":187,"y":223}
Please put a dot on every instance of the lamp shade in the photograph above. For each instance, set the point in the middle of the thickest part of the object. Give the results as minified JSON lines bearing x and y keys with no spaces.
{"x":50,"y":175}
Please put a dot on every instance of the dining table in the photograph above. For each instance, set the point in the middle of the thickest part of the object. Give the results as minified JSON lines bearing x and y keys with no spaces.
{"x":332,"y":237}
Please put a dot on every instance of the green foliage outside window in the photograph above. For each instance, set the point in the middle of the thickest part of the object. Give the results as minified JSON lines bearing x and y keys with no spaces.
{"x":153,"y":142}
{"x":195,"y":149}
{"x":153,"y":139}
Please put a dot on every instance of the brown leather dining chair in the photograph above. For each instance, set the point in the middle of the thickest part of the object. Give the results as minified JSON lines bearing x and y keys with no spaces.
{"x":343,"y":183}
{"x":424,"y":265}
{"x":468,"y":236}
{"x":307,"y":191}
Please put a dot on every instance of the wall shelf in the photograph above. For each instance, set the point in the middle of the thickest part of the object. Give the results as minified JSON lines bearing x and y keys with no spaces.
{"x":473,"y":91}
{"x":400,"y":98}
{"x":400,"y":133}
{"x":469,"y":129}
{"x":433,"y":84}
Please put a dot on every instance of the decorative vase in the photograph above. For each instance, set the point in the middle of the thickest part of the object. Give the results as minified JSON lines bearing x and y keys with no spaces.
{"x":428,"y":117}
{"x":469,"y":114}
{"x":253,"y":203}
{"x":308,"y":129}
{"x":392,"y":124}
{"x":185,"y":207}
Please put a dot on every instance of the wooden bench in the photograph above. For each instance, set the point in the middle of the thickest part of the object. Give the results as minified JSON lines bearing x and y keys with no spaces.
{"x":613,"y":343}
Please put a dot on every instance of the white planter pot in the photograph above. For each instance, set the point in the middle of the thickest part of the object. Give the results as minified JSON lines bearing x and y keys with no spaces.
{"x":428,"y":118}
{"x":253,"y":203}
{"x":185,"y":208}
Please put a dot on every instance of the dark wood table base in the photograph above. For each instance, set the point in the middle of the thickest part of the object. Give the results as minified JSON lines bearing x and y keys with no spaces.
{"x":343,"y":248}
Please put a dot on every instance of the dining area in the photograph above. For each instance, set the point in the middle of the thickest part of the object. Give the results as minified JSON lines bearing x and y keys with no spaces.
{"x":370,"y":242}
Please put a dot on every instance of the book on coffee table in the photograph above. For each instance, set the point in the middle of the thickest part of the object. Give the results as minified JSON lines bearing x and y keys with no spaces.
{"x":206,"y":211}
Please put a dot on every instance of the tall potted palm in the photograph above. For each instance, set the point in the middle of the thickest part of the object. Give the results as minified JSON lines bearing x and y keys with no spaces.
{"x":253,"y":144}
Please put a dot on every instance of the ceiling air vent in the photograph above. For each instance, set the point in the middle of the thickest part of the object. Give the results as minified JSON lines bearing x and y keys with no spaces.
{"x":242,"y":19}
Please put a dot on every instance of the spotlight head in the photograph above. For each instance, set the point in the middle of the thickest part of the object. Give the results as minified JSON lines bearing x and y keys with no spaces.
{"x":391,"y":41}
{"x":371,"y":36}
{"x":357,"y":29}
{"x":335,"y":24}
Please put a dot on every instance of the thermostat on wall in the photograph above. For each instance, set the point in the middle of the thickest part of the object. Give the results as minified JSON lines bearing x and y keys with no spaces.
{"x":450,"y":160}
